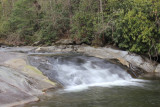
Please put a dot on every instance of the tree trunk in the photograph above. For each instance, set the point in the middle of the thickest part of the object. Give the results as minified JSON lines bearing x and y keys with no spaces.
{"x":70,"y":10}
{"x":70,"y":14}
{"x":3,"y":11}
{"x":51,"y":6}
{"x":101,"y":10}
{"x":12,"y":3}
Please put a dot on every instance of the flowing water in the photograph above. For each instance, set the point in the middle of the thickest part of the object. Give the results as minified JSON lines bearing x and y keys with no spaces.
{"x":78,"y":71}
{"x":87,"y":82}
{"x":93,"y":82}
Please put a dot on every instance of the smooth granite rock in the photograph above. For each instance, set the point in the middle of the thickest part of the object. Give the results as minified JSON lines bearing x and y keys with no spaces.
{"x":20,"y":82}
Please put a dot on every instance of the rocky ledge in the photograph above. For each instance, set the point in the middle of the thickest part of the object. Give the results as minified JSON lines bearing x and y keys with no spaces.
{"x":20,"y":82}
{"x":131,"y":60}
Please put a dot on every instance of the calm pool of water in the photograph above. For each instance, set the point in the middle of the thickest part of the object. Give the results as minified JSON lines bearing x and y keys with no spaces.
{"x":146,"y":94}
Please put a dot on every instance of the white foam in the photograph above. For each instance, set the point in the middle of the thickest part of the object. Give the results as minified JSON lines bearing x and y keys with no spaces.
{"x":90,"y":72}
{"x":132,"y":82}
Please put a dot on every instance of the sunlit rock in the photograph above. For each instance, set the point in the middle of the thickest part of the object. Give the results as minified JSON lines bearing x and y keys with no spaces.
{"x":20,"y":82}
{"x":158,"y":68}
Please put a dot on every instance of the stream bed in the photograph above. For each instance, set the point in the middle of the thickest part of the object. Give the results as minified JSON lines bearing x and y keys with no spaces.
{"x":93,"y":82}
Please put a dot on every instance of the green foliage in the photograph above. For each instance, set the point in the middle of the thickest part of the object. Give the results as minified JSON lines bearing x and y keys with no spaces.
{"x":84,"y":21}
{"x":3,"y":27}
{"x":132,"y":25}
{"x":137,"y":29}
{"x":55,"y":24}
{"x":83,"y":27}
{"x":24,"y":19}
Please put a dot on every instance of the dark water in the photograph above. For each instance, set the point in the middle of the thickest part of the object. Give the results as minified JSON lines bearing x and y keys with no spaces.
{"x":145,"y":95}
{"x":113,"y":88}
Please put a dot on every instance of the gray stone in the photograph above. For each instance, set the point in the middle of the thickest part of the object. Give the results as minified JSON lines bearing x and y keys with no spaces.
{"x":151,"y":76}
{"x":78,"y":42}
{"x":20,"y":82}
{"x":12,"y":96}
{"x":158,"y":68}
{"x":124,"y":57}
{"x":16,"y":88}
{"x":37,"y":43}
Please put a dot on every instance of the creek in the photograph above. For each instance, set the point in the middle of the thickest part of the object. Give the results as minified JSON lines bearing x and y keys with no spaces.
{"x":92,"y":82}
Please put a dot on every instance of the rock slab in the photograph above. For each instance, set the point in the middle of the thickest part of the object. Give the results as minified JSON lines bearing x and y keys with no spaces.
{"x":20,"y":82}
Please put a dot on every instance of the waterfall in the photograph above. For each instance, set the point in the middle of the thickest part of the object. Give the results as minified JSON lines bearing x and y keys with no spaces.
{"x":82,"y":71}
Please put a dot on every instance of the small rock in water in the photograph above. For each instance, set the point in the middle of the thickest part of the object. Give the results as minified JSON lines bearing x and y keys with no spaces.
{"x":3,"y":46}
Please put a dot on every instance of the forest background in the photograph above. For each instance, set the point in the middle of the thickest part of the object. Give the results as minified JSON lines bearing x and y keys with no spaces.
{"x":132,"y":25}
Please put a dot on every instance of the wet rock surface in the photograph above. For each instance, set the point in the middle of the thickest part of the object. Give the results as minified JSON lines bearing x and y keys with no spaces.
{"x":15,"y":89}
{"x":151,"y":76}
{"x":20,"y":82}
{"x":131,"y":60}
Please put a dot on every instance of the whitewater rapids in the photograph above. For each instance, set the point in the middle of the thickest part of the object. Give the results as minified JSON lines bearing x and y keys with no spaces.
{"x":79,"y":72}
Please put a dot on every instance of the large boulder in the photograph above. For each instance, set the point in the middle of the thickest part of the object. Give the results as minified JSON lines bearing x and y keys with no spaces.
{"x":125,"y":57}
{"x":16,"y":88}
{"x":151,"y":76}
{"x":158,"y":68}
{"x":19,"y":81}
